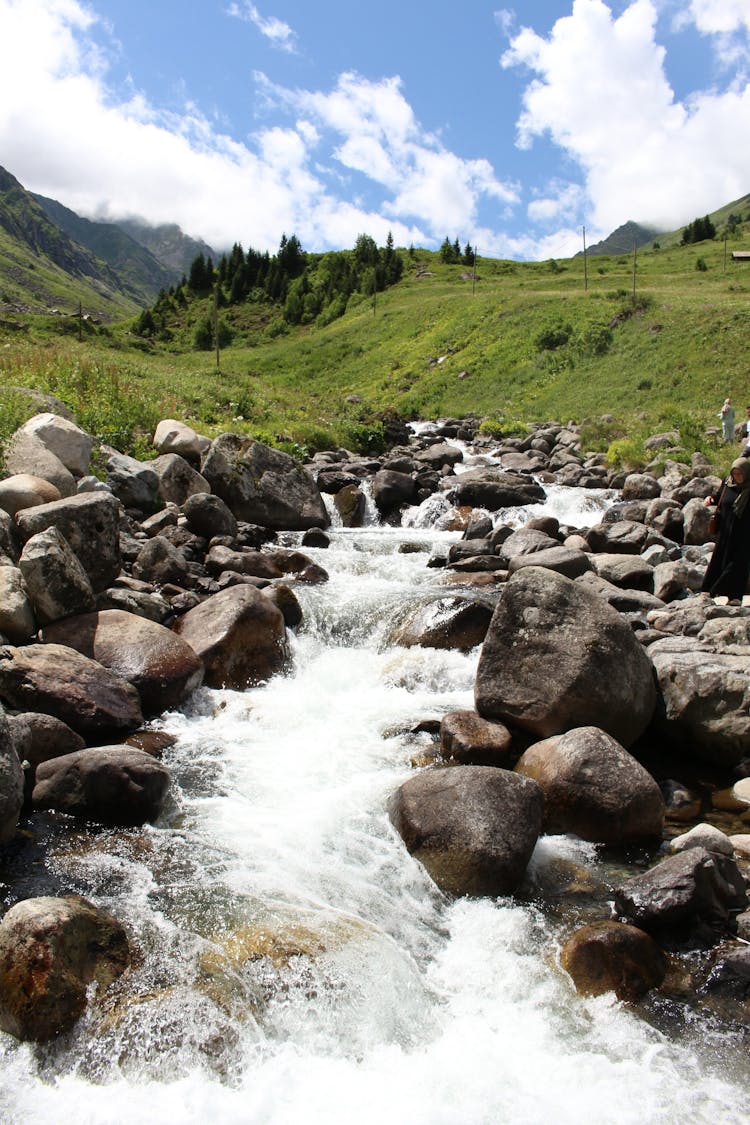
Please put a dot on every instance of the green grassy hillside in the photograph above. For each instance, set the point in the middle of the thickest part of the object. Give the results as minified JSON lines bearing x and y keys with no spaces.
{"x":656,"y":345}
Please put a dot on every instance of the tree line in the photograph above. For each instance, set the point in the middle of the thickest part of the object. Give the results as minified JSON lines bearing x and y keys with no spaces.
{"x":307,"y":287}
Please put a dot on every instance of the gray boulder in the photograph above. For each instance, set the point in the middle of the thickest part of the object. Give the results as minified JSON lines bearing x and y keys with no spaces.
{"x":27,"y":454}
{"x":112,"y":785}
{"x":56,"y":581}
{"x":594,"y":788}
{"x":90,"y":522}
{"x":473,"y":741}
{"x":239,"y":635}
{"x":133,"y":482}
{"x":17,"y":621}
{"x":494,"y":489}
{"x":263,"y":485}
{"x":690,"y":898}
{"x":446,"y":623}
{"x":178,"y":480}
{"x":161,"y":665}
{"x":391,"y":490}
{"x":23,"y":490}
{"x":208,"y":515}
{"x":704,"y":704}
{"x":556,"y":656}
{"x":158,"y":561}
{"x":51,"y":951}
{"x":472,"y":827}
{"x":59,"y":681}
{"x":174,"y":437}
{"x":64,"y":439}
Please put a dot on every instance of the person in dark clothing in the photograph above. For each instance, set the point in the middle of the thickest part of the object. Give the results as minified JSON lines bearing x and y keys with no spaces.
{"x":728,"y":569}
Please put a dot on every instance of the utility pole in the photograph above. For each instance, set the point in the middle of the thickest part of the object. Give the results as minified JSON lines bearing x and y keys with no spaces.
{"x":80,"y":322}
{"x":585,"y":267}
{"x":725,"y":251}
{"x":474,"y":272}
{"x":374,"y":291}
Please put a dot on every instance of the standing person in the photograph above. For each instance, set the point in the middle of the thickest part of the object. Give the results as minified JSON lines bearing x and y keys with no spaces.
{"x":727,"y":420}
{"x":746,"y":437}
{"x":728,"y":569}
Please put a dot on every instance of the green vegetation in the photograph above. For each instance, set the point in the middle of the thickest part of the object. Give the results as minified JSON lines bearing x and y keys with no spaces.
{"x":318,"y":361}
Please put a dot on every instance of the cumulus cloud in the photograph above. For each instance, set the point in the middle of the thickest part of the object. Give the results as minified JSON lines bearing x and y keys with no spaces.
{"x":714,"y":17}
{"x":66,"y":134}
{"x":278,"y":33}
{"x":599,"y":91}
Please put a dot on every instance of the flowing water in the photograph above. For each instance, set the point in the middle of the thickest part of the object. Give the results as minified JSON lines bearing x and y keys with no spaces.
{"x":295,"y":964}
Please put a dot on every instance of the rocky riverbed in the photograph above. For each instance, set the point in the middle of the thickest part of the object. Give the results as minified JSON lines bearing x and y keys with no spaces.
{"x":610,"y":700}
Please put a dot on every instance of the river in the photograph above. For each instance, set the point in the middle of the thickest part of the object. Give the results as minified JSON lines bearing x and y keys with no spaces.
{"x":296,"y":966}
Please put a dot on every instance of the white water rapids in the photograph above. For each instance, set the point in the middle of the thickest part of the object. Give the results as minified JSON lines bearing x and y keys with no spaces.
{"x":296,"y":965}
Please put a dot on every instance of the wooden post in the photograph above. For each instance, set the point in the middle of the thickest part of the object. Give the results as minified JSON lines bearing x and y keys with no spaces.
{"x":474,"y":277}
{"x":80,"y":322}
{"x":585,"y":268}
{"x":635,"y":258}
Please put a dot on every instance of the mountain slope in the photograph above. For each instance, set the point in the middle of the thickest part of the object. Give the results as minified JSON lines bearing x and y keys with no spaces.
{"x":42,"y":266}
{"x":138,"y":272}
{"x":175,"y":250}
{"x":622,"y":240}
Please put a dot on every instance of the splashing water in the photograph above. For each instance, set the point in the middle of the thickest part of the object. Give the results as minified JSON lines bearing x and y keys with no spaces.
{"x":296,"y":964}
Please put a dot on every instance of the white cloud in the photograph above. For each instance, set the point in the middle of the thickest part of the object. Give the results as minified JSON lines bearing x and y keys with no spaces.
{"x":717,"y":17}
{"x":64,"y":133}
{"x":600,"y":92}
{"x":561,"y":201}
{"x":279,"y":34}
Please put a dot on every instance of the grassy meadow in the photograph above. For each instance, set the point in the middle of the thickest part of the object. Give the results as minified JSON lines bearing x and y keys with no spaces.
{"x":656,"y":340}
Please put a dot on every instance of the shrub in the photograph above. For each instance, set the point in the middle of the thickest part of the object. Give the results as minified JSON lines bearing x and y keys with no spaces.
{"x":626,"y":453}
{"x":554,"y":336}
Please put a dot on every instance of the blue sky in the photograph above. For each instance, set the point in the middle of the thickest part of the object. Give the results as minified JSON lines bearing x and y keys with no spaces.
{"x":512,"y":127}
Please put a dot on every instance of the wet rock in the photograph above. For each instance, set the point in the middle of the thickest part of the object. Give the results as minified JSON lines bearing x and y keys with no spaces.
{"x":56,"y":581}
{"x":351,"y":505}
{"x":112,"y":785}
{"x":391,"y":490}
{"x":467,"y":738}
{"x":494,"y":489}
{"x":688,"y":899}
{"x":263,"y":485}
{"x":238,"y":634}
{"x":472,"y":827}
{"x":90,"y":524}
{"x":703,"y":836}
{"x":59,"y":681}
{"x":37,"y":738}
{"x":159,"y":664}
{"x":23,"y":490}
{"x":613,"y":957}
{"x":556,"y":656}
{"x":445,"y":623}
{"x":51,"y":951}
{"x":594,"y":788}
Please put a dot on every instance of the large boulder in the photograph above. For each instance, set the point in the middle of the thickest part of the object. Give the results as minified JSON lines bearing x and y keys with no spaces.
{"x":112,"y":785}
{"x":467,"y":738}
{"x":613,"y":957}
{"x":263,"y":485}
{"x":59,"y":681}
{"x":17,"y":621}
{"x":23,"y":490}
{"x":37,"y":738}
{"x":445,"y":623}
{"x":51,"y":951}
{"x":704,"y":698}
{"x":133,"y":482}
{"x":493,"y":489}
{"x":208,"y":515}
{"x":11,"y":782}
{"x":557,"y":656}
{"x":174,"y":437}
{"x":688,"y":899}
{"x":64,"y":439}
{"x":27,"y":453}
{"x":594,"y":788}
{"x":239,"y":635}
{"x":177,"y":478}
{"x":90,"y":522}
{"x":390,"y":490}
{"x":472,"y":827}
{"x":56,"y":581}
{"x":160,"y":664}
